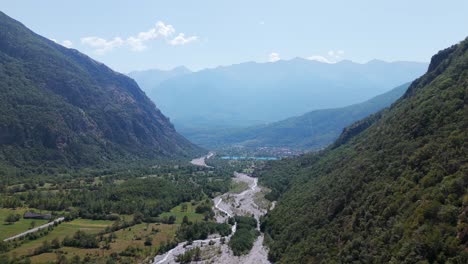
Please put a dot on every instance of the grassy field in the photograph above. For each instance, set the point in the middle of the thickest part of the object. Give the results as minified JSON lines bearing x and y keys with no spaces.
{"x":238,"y":187}
{"x":132,"y":236}
{"x":7,"y":230}
{"x":61,"y":231}
{"x":179,"y":213}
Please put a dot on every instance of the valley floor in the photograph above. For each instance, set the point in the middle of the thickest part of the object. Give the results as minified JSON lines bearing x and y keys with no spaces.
{"x":201,"y":161}
{"x":214,"y":249}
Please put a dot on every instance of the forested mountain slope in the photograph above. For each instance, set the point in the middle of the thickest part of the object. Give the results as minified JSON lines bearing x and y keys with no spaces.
{"x":392,"y":189}
{"x":313,"y":130}
{"x":59,"y":107}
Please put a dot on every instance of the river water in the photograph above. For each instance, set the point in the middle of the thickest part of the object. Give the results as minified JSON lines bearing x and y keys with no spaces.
{"x":248,"y":202}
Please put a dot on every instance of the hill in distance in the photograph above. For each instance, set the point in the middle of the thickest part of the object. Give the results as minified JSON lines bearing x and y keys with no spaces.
{"x":150,"y":79}
{"x":392,"y":189}
{"x":61,"y":108}
{"x":249,"y":94}
{"x":311,"y":131}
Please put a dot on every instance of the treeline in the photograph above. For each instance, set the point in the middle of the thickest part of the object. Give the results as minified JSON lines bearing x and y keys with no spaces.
{"x":201,"y":230}
{"x":189,"y":256}
{"x":243,"y":239}
{"x":149,"y":192}
{"x":81,"y":240}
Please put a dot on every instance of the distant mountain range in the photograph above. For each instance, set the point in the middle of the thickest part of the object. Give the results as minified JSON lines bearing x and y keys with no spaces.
{"x":313,"y":130}
{"x":150,"y":79}
{"x":61,"y":108}
{"x":252,"y":93}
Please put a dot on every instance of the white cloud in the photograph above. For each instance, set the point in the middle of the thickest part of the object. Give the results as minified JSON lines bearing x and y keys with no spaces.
{"x":164,"y":30}
{"x":319,"y":59}
{"x":182,"y":40}
{"x":336,"y":55}
{"x":159,"y":30}
{"x":101,"y":45}
{"x":333,"y":56}
{"x":67,"y":43}
{"x":274,"y":57}
{"x":137,"y":43}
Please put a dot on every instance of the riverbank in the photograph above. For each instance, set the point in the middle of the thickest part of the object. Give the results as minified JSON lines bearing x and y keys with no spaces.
{"x":214,"y":249}
{"x":202,"y":160}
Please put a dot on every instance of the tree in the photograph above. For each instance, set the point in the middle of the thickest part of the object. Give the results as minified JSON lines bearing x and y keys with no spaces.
{"x":185,"y":220}
{"x":183,"y":207}
{"x":81,"y":240}
{"x":61,"y":259}
{"x":148,"y":241}
{"x":197,"y":254}
{"x":55,"y":243}
{"x":75,"y":260}
{"x":171,"y":219}
{"x":138,"y":217}
{"x":11,"y":218}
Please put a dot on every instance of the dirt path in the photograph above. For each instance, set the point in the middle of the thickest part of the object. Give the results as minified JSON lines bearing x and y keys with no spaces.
{"x":227,"y":205}
{"x":58,"y":220}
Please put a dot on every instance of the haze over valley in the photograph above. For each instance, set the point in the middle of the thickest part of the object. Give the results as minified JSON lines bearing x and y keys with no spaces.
{"x":233,"y":132}
{"x":250,"y":94}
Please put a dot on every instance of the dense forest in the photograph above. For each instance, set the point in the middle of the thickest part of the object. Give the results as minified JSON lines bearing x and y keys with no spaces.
{"x":243,"y":239}
{"x":148,"y":191}
{"x":393,"y":187}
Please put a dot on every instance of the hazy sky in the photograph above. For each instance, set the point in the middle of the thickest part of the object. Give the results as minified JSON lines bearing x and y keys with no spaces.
{"x":134,"y":35}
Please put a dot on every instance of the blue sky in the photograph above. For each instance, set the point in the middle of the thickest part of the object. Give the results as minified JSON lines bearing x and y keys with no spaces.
{"x":136,"y":35}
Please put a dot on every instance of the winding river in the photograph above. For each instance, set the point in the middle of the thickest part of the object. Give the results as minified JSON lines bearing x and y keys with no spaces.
{"x":225,"y":206}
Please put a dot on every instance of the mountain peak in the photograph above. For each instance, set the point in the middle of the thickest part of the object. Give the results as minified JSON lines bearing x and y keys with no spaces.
{"x":376,"y":61}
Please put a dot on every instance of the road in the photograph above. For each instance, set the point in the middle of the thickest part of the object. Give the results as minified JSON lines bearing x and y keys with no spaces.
{"x":58,"y":220}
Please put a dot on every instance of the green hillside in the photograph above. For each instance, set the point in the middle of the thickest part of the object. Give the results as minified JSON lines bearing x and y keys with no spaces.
{"x":392,"y":189}
{"x":60,"y":108}
{"x":313,"y":130}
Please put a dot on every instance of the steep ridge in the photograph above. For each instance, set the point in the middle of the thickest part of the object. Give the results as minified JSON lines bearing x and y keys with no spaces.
{"x":392,"y":189}
{"x":62,"y":108}
{"x":313,"y":130}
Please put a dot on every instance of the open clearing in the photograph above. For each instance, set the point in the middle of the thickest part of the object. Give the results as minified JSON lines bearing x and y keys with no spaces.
{"x":7,"y":230}
{"x":132,"y":236}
